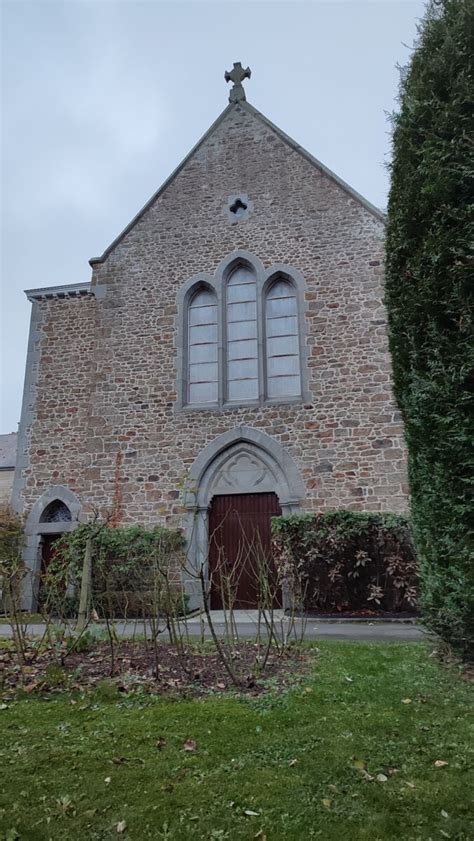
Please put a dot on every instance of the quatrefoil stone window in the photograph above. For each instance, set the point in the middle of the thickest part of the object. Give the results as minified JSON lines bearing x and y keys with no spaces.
{"x":238,"y":208}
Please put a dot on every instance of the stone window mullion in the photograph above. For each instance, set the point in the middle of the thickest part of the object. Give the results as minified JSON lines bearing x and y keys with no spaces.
{"x":262,"y":374}
{"x":222,"y":384}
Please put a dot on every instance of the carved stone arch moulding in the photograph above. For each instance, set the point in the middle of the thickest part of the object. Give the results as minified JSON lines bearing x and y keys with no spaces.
{"x":244,"y":460}
{"x":198,"y":281}
{"x":56,"y":492}
{"x":243,"y":468}
{"x":236,"y":258}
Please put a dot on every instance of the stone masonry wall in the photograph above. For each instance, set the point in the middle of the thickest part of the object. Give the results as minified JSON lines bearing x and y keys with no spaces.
{"x":56,"y":439}
{"x":106,"y":409}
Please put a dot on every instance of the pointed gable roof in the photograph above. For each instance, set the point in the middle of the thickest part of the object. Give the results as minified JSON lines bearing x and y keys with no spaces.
{"x":246,"y":106}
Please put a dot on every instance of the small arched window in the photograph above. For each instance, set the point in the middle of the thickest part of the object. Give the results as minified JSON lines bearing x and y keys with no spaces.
{"x":202,"y":347}
{"x":242,"y":335}
{"x":56,"y":512}
{"x":282,"y":341}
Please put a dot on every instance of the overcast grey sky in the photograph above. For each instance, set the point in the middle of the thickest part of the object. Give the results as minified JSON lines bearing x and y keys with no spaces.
{"x":103,"y":98}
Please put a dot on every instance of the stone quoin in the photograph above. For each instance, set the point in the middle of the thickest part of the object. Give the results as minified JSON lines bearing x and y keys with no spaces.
{"x":232,"y":340}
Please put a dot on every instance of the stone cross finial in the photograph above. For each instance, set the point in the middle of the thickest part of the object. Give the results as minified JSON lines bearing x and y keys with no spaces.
{"x":237,"y":75}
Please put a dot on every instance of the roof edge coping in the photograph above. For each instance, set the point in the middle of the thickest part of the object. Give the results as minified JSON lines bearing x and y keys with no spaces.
{"x":309,"y":157}
{"x":375,"y":211}
{"x":66,"y":291}
{"x":97,"y":260}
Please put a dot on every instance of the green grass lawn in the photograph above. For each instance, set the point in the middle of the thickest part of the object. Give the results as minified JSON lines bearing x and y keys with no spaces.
{"x":276,"y":767}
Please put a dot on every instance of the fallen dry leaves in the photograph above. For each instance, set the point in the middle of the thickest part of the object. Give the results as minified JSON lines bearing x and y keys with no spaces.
{"x":195,"y":673}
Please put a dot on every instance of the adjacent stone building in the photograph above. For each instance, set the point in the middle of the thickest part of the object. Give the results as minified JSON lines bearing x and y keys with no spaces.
{"x":231,"y":343}
{"x":7,"y":466}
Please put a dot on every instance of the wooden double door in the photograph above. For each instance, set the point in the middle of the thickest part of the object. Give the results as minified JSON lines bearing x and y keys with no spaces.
{"x":240,"y":561}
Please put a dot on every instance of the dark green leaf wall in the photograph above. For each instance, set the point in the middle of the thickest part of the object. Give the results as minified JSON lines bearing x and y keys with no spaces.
{"x":430,"y":296}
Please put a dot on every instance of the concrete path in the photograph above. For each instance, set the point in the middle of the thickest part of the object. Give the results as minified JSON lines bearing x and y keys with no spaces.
{"x":247,"y":621}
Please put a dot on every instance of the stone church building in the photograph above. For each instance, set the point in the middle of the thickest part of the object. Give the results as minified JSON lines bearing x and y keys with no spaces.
{"x":230,"y":349}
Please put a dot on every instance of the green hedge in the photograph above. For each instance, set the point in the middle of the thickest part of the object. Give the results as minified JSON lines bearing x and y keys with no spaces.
{"x":345,"y":561}
{"x":128,"y":564}
{"x":430,"y":298}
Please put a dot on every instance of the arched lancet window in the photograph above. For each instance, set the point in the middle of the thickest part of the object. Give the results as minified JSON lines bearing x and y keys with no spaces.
{"x":56,"y":512}
{"x":282,"y":341}
{"x":242,"y":335}
{"x":239,"y":336}
{"x":202,"y":347}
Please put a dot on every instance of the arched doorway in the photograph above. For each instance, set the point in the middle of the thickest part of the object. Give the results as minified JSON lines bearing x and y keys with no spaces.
{"x":237,"y":484}
{"x":55,"y":512}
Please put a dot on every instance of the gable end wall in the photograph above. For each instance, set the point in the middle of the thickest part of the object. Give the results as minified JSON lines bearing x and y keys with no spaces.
{"x":136,"y":447}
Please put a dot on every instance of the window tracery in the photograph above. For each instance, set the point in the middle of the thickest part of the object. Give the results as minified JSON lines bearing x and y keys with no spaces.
{"x":241,"y":336}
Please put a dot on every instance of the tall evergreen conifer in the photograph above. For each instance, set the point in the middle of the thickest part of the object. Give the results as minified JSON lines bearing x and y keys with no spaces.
{"x":430,"y":297}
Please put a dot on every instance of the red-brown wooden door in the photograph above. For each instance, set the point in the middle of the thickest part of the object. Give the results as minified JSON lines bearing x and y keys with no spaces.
{"x":239,"y":536}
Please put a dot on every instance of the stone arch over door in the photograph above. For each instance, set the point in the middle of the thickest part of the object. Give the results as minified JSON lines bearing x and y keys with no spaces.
{"x":36,"y":528}
{"x":241,"y":461}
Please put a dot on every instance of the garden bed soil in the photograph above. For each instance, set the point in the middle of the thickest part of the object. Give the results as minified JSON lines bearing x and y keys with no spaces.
{"x":195,"y":674}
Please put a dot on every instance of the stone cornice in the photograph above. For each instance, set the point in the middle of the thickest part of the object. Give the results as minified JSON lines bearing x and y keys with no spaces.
{"x":71,"y":290}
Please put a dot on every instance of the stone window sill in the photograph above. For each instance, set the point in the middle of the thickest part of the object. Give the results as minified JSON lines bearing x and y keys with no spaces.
{"x":248,"y":404}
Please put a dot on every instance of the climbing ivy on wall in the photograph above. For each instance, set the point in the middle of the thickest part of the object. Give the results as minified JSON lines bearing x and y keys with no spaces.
{"x":430,"y":296}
